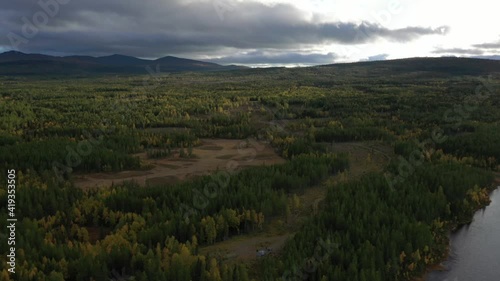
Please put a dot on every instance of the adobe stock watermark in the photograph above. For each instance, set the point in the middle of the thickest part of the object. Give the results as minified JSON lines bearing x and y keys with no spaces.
{"x":382,"y":17}
{"x":221,"y":7}
{"x":455,"y":116}
{"x":321,"y":254}
{"x":31,"y":27}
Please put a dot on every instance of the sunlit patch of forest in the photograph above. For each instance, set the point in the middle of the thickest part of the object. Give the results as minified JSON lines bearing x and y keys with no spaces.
{"x":442,"y":129}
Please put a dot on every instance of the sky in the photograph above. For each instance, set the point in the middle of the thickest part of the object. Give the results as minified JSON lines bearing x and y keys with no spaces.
{"x":253,"y":32}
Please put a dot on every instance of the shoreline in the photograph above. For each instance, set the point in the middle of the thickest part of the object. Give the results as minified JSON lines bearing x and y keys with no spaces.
{"x":439,"y":266}
{"x":435,"y":267}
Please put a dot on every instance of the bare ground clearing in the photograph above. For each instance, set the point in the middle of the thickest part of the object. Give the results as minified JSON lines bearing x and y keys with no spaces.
{"x":213,"y":154}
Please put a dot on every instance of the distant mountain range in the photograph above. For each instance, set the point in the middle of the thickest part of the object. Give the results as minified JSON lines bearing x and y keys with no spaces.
{"x":18,"y":63}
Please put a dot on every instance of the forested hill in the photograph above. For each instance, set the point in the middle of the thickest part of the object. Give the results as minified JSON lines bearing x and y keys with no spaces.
{"x":17,"y":63}
{"x":442,"y":65}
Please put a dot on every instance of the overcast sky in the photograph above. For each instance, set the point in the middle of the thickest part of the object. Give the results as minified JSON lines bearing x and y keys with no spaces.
{"x":253,"y":32}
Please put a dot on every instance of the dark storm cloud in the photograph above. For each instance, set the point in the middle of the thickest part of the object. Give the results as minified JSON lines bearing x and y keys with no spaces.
{"x":158,"y":27}
{"x":259,"y":57}
{"x":458,"y":51}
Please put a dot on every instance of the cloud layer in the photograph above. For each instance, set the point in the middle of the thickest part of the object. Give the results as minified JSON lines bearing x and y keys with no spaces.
{"x":493,"y":45}
{"x":483,"y":50}
{"x":264,"y":58}
{"x":458,"y":51}
{"x":157,"y":28}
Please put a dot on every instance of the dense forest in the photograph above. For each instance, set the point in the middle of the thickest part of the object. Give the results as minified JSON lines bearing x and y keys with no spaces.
{"x":441,"y":128}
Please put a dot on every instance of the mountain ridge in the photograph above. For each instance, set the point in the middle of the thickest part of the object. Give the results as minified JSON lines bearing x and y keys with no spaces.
{"x":18,"y":63}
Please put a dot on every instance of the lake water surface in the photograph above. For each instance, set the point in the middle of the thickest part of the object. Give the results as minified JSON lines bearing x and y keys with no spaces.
{"x":475,"y":248}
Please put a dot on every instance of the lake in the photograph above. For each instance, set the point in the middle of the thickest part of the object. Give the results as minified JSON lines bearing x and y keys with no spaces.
{"x":475,"y":248}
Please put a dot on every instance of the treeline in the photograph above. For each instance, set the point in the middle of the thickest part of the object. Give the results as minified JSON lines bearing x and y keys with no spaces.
{"x":481,"y":145}
{"x":151,"y":233}
{"x":90,"y":151}
{"x":367,"y":230}
{"x":475,"y":145}
{"x":63,"y":155}
{"x":252,"y":193}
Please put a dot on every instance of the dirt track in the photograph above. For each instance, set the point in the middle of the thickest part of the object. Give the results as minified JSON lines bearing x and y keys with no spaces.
{"x":364,"y":157}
